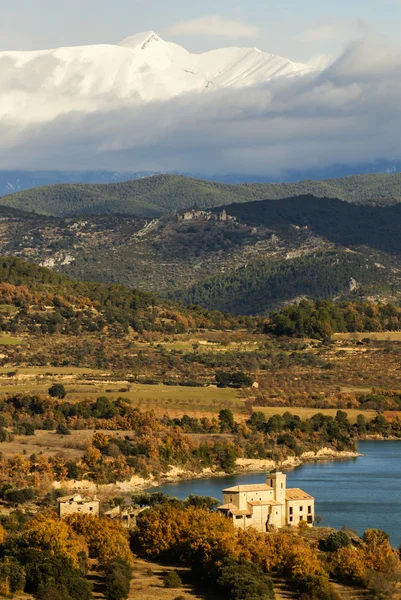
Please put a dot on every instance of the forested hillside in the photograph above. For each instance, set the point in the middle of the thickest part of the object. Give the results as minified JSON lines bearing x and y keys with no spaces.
{"x":337,"y":221}
{"x":48,"y":302}
{"x":262,"y":285}
{"x":160,"y":194}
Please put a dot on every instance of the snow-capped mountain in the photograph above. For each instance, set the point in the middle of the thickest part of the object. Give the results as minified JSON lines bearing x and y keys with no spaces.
{"x":37,"y":86}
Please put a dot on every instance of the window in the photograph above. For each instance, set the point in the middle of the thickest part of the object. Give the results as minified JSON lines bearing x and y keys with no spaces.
{"x":290,"y":510}
{"x":282,"y":485}
{"x":238,"y":517}
{"x":309,"y":510}
{"x":301,"y":518}
{"x":301,"y":508}
{"x":290,"y":519}
{"x":91,"y":508}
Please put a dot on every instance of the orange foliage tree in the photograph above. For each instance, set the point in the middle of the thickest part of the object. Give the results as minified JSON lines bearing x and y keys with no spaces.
{"x":106,"y":539}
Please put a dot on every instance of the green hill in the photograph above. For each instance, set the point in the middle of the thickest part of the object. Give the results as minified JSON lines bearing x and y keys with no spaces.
{"x":154,"y":196}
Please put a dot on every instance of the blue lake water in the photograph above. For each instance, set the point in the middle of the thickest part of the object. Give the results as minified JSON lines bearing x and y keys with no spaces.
{"x":360,"y":493}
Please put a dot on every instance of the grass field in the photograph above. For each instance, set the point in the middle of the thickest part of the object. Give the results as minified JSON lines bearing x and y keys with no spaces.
{"x":5,"y":340}
{"x":380,"y":336}
{"x":50,"y":443}
{"x":307,"y":413}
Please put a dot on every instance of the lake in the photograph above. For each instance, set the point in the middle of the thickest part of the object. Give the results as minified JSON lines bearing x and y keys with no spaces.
{"x":360,"y":493}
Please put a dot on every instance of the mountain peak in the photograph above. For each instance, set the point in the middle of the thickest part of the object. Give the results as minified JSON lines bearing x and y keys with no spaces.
{"x":140,"y":40}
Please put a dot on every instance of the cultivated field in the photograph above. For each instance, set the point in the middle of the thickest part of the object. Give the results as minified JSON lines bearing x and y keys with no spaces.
{"x":382,"y":336}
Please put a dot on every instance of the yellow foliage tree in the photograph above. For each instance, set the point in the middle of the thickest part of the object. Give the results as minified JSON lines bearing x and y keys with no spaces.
{"x":106,"y":539}
{"x":47,"y":532}
{"x":170,"y":531}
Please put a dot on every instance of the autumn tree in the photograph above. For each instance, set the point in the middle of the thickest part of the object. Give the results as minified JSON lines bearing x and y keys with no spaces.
{"x":107,"y":540}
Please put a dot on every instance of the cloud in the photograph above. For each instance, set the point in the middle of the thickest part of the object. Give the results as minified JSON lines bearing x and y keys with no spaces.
{"x":349,"y":114}
{"x":334,"y":30}
{"x":214,"y":26}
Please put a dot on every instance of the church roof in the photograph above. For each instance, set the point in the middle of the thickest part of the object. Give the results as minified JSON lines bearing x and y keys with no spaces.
{"x":297,"y":494}
{"x":260,"y":487}
{"x":264,"y":503}
{"x":228,"y":506}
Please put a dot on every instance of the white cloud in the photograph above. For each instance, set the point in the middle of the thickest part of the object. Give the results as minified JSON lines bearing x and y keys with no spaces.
{"x":214,"y":26}
{"x":334,"y":30}
{"x":350,"y":113}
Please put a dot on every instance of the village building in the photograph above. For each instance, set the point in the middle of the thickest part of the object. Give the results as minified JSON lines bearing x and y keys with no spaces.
{"x":75,"y":503}
{"x":268,"y":506}
{"x":125,"y":515}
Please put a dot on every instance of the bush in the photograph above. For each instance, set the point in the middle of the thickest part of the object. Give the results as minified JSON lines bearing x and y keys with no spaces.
{"x":57,"y":390}
{"x":334,"y":541}
{"x":118,"y":575}
{"x":25,"y":428}
{"x":62,"y":429}
{"x":49,"y":424}
{"x":243,"y":580}
{"x":15,"y":496}
{"x":172,"y":580}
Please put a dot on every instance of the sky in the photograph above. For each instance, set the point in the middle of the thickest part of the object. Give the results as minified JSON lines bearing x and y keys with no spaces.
{"x":296,"y":29}
{"x":347,"y":112}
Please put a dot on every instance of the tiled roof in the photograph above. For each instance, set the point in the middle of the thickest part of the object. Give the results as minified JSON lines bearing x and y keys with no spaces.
{"x":240,"y":513}
{"x":297,"y":494}
{"x":264,"y":503}
{"x":261,"y":487}
{"x":226,"y":507}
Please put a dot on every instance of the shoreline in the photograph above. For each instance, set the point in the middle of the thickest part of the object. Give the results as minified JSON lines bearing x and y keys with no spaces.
{"x":177,"y":475}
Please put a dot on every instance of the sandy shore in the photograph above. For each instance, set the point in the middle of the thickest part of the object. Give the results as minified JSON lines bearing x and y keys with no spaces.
{"x":175,"y":474}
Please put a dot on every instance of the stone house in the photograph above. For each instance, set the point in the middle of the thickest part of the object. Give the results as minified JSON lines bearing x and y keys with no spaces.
{"x":269,"y":505}
{"x":75,"y":503}
{"x":126,"y":515}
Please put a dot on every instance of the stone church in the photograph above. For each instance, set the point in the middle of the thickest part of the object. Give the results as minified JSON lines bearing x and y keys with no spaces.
{"x":269,"y":505}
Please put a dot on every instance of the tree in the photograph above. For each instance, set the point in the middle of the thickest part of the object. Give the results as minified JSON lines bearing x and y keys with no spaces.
{"x":226,"y":419}
{"x":243,"y":580}
{"x":12,"y":576}
{"x":57,"y":390}
{"x":334,"y":541}
{"x":118,"y":574}
{"x":107,"y":540}
{"x":202,"y":502}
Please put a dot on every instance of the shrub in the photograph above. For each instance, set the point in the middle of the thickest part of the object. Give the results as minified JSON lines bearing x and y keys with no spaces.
{"x":62,"y":429}
{"x":15,"y":496}
{"x":334,"y":541}
{"x":117,"y":579}
{"x":25,"y":428}
{"x":57,"y":390}
{"x":49,"y":424}
{"x":243,"y":580}
{"x":172,"y":580}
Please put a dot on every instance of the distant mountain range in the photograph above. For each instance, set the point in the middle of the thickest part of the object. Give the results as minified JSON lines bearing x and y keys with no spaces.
{"x":188,"y":241}
{"x":16,"y":181}
{"x":161,"y":194}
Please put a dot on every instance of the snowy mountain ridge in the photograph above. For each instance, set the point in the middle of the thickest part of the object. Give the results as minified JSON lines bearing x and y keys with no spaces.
{"x":38,"y":86}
